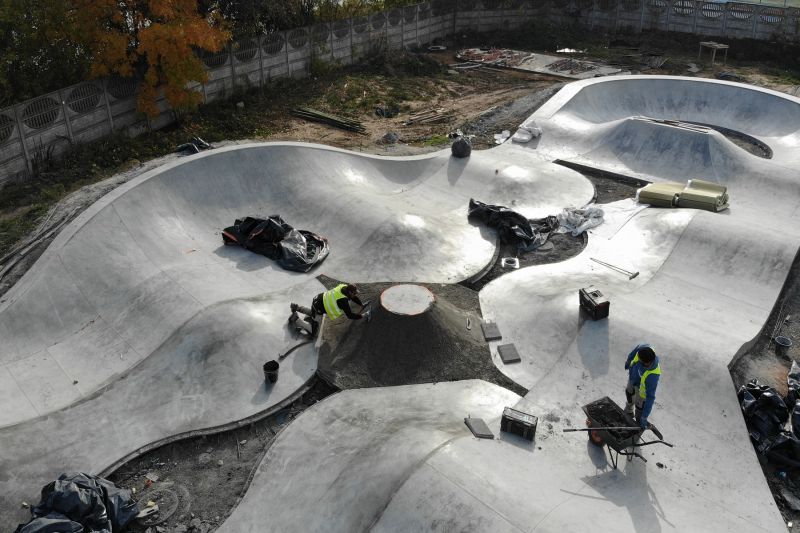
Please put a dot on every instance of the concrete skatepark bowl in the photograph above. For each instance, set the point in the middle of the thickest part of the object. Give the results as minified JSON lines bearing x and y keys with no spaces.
{"x":139,"y":294}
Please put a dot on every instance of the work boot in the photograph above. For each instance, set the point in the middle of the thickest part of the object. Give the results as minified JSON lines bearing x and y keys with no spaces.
{"x":293,"y":307}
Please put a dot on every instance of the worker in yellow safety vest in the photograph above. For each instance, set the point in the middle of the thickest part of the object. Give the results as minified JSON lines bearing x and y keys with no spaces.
{"x":333,"y":303}
{"x":644,"y":371}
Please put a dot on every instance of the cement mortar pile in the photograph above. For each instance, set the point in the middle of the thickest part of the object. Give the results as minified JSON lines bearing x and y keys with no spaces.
{"x":414,"y":336}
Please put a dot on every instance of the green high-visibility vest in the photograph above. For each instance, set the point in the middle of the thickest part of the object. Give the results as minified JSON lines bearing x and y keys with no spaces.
{"x":329,"y":299}
{"x":656,"y":370}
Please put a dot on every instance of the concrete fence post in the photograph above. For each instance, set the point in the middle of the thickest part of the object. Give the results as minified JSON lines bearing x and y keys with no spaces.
{"x":724,"y":20}
{"x":108,"y":106}
{"x":286,"y":47}
{"x":66,"y":117}
{"x":641,"y":19}
{"x":233,"y":68}
{"x":330,"y":40}
{"x":259,"y":40}
{"x":352,"y":50}
{"x":669,"y":13}
{"x":25,"y":152}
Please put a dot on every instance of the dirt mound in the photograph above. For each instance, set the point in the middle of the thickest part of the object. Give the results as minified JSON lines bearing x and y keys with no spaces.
{"x":444,"y":343}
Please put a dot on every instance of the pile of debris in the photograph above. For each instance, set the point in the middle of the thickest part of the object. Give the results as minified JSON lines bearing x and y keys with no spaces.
{"x":767,"y":413}
{"x":342,"y":123}
{"x":502,"y":57}
{"x":79,"y":503}
{"x":428,"y":116}
{"x":570,"y":65}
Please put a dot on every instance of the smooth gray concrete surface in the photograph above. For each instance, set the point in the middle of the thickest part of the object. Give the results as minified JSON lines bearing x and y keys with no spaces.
{"x":339,"y":464}
{"x":131,"y":270}
{"x":706,"y":285}
{"x":206,"y":374}
{"x":141,"y":287}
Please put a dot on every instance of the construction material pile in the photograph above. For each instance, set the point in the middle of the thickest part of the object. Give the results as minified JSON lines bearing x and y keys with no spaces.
{"x":570,"y":65}
{"x":331,"y":120}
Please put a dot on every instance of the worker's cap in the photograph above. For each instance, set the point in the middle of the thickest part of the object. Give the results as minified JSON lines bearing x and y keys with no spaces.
{"x":646,"y":355}
{"x":350,"y":290}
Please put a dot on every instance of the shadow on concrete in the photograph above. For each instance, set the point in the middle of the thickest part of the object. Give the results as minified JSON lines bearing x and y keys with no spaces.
{"x":593,"y":344}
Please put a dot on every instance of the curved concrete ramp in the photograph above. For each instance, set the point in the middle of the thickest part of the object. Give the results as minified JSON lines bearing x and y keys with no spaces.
{"x":207,"y":374}
{"x":635,"y":147}
{"x":586,"y":113}
{"x":135,"y":267}
{"x":339,"y":464}
{"x":140,"y":286}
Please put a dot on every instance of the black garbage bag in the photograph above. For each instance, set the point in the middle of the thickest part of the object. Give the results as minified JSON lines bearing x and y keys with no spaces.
{"x":91,"y":502}
{"x":755,"y":388}
{"x":785,"y":450}
{"x":764,"y":412}
{"x":513,"y":227}
{"x":461,"y":148}
{"x":292,"y":249}
{"x":796,"y":420}
{"x":52,"y":523}
{"x":793,"y":381}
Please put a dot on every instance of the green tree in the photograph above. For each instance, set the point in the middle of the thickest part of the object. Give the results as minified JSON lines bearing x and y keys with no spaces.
{"x":152,"y":40}
{"x":39,"y":51}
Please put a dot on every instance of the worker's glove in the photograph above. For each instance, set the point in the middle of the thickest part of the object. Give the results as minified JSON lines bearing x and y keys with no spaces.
{"x":368,"y":315}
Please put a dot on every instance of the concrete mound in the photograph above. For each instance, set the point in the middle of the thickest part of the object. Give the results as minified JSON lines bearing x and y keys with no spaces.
{"x":643,"y":147}
{"x":410,"y":342}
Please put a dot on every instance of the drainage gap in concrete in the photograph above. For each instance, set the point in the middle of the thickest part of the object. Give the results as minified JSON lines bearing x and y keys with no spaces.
{"x":200,"y":480}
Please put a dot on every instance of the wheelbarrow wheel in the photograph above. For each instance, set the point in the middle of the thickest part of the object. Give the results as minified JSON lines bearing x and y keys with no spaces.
{"x":594,"y":436}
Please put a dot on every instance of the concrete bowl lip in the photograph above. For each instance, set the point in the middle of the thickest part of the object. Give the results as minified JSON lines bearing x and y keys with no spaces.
{"x":407,"y":299}
{"x":72,"y":228}
{"x":570,"y":90}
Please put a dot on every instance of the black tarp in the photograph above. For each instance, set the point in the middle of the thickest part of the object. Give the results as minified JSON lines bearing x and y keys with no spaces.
{"x":78,"y":503}
{"x":793,"y":385}
{"x":292,"y":249}
{"x":512,"y":227}
{"x":764,"y":412}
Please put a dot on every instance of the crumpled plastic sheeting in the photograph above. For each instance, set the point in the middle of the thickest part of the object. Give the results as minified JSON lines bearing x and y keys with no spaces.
{"x":292,"y":249}
{"x":78,"y":503}
{"x":576,"y":221}
{"x":513,"y":227}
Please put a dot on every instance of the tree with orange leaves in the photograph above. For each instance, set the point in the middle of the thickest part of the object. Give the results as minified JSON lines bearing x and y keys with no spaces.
{"x":153,"y":41}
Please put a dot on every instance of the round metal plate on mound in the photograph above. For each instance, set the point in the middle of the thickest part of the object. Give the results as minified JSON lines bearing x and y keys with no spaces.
{"x":407,"y":299}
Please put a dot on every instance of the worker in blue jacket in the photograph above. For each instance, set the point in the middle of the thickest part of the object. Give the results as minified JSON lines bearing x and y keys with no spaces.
{"x":644,"y":372}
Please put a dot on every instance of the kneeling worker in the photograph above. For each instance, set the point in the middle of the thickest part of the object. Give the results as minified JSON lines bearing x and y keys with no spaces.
{"x":644,"y":372}
{"x":333,"y":303}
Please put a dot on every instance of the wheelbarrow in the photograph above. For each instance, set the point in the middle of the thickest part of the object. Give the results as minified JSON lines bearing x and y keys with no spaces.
{"x":609,"y":426}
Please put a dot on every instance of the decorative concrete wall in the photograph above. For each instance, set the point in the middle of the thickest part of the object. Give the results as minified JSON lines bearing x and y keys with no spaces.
{"x":35,"y":130}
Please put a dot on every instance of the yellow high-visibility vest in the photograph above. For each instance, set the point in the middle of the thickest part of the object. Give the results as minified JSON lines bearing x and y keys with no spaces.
{"x":329,"y":299}
{"x":656,"y":370}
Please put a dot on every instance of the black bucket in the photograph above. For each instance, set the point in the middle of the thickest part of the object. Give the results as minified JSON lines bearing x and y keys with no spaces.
{"x":782,"y":344}
{"x":271,"y":371}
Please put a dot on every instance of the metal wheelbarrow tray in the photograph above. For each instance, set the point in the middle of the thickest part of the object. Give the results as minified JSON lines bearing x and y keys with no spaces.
{"x":616,"y":430}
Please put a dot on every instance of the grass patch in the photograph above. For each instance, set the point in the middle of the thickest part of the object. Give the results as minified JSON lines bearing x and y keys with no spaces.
{"x":436,"y":140}
{"x":14,"y":228}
